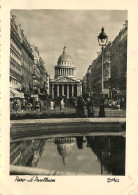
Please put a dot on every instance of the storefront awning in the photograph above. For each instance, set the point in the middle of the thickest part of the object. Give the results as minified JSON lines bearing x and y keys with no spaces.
{"x":15,"y":94}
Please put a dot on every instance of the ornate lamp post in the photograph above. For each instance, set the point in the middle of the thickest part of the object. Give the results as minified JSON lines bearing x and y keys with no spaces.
{"x":33,"y":89}
{"x":102,"y":40}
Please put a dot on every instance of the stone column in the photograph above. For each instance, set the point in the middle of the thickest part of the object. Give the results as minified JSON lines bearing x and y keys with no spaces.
{"x":65,"y":71}
{"x":57,"y":90}
{"x":78,"y":90}
{"x":72,"y":90}
{"x":52,"y":91}
{"x":67,"y":91}
{"x":63,"y":89}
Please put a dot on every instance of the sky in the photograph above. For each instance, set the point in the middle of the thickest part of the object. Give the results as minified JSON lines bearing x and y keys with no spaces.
{"x":49,"y":30}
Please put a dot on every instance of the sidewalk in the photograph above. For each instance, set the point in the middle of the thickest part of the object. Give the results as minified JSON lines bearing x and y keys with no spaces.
{"x":69,"y":112}
{"x":51,"y":127}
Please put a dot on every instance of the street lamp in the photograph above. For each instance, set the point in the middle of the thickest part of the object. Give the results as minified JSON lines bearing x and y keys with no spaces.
{"x":33,"y":89}
{"x":102,"y":40}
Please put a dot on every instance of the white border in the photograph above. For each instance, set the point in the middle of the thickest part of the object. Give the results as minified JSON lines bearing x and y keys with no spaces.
{"x":81,"y":185}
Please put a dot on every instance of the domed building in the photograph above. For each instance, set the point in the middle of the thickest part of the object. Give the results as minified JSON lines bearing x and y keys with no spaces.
{"x":65,"y":82}
{"x":65,"y":147}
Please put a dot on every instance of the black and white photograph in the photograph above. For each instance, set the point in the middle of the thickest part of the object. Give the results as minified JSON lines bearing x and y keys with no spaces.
{"x":68,"y":92}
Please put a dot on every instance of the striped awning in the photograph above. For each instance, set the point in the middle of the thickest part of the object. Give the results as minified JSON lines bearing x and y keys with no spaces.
{"x":15,"y":94}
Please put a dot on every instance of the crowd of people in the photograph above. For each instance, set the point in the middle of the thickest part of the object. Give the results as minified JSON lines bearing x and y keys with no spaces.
{"x":60,"y":103}
{"x":21,"y":105}
{"x":85,"y":105}
{"x":119,"y":103}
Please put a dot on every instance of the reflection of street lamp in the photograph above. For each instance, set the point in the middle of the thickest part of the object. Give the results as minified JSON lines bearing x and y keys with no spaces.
{"x":102,"y":156}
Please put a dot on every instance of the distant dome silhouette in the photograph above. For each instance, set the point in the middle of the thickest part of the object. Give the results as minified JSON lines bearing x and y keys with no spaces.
{"x":64,"y":57}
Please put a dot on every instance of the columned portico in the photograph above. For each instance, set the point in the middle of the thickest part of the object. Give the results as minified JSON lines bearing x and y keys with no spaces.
{"x":62,"y":89}
{"x":67,"y":90}
{"x":52,"y":91}
{"x":65,"y":83}
{"x":58,"y":89}
{"x":78,"y":90}
{"x":72,"y":90}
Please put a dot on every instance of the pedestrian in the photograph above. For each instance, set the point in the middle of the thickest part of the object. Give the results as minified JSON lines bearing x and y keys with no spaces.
{"x":101,"y":110}
{"x":54,"y":102}
{"x":15,"y":106}
{"x":51,"y":105}
{"x":90,"y":107}
{"x":37,"y":106}
{"x":11,"y":105}
{"x":41,"y":105}
{"x":118,"y":104}
{"x":30,"y":105}
{"x":19,"y":105}
{"x":62,"y":104}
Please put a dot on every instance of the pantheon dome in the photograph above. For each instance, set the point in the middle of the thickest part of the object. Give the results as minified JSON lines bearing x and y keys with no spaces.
{"x":64,"y":58}
{"x":65,"y":65}
{"x":65,"y":84}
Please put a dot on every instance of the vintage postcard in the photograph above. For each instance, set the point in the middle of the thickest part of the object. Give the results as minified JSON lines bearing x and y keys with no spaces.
{"x":69,"y":97}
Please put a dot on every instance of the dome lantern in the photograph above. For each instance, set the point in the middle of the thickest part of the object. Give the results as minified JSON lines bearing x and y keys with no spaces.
{"x":65,"y":49}
{"x":65,"y":65}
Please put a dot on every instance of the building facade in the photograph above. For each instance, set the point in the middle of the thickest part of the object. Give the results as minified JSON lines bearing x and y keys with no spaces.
{"x":16,"y":78}
{"x":65,"y":82}
{"x":114,"y":71}
{"x":40,"y":75}
{"x":119,"y":62}
{"x":27,"y":63}
{"x":27,"y":69}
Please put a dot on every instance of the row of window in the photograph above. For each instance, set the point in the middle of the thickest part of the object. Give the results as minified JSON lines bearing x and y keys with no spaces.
{"x":14,"y":83}
{"x":16,"y":51}
{"x":15,"y":57}
{"x":15,"y":44}
{"x":66,"y":63}
{"x":28,"y":66}
{"x":15,"y":68}
{"x":12,"y":60}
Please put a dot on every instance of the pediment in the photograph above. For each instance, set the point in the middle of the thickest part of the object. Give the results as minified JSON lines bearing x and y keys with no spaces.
{"x":64,"y":80}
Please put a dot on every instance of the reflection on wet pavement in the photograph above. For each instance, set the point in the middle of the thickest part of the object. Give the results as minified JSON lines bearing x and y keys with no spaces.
{"x":92,"y":155}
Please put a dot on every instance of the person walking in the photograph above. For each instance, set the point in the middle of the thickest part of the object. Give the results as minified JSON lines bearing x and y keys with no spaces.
{"x":41,"y":105}
{"x":101,"y":110}
{"x":90,"y":107}
{"x":51,"y":105}
{"x":62,"y":104}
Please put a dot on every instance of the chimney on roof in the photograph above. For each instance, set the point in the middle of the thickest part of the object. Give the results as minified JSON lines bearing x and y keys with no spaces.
{"x":13,"y":16}
{"x":126,"y":23}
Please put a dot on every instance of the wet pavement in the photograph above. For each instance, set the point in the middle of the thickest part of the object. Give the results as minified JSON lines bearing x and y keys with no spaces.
{"x":83,"y":154}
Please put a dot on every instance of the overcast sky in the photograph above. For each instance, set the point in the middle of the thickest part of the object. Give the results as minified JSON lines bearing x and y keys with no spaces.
{"x":50,"y":29}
